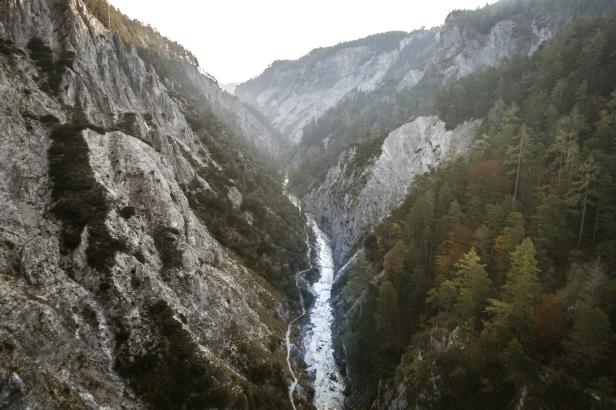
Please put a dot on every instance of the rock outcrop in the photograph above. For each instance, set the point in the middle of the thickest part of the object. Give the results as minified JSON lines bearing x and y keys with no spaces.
{"x":354,"y":199}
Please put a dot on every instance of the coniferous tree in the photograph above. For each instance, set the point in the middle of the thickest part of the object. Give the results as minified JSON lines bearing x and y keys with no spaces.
{"x":461,"y":298}
{"x":387,"y":314}
{"x":513,"y":311}
{"x":589,"y":339}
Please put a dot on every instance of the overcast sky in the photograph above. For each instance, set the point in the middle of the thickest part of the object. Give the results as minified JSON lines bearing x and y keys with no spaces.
{"x":237,"y":39}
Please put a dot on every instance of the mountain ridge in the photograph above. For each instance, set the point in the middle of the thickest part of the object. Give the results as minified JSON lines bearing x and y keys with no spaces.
{"x":387,"y":61}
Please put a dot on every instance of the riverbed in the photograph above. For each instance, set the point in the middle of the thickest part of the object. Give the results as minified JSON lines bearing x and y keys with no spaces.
{"x":317,"y":340}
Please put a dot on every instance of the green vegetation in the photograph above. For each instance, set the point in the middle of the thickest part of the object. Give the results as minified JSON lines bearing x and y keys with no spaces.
{"x":8,"y":48}
{"x":51,"y":71}
{"x":127,"y":123}
{"x":172,"y":373}
{"x":89,"y":316}
{"x":79,"y":200}
{"x":269,"y":383}
{"x":127,"y":212}
{"x":498,"y":271}
{"x":166,"y":242}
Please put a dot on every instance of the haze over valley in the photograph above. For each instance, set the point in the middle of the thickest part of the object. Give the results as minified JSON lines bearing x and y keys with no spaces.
{"x":381,"y":206}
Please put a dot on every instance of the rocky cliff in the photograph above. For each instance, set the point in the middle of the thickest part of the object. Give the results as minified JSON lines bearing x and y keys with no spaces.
{"x":114,"y":293}
{"x":355,"y":198}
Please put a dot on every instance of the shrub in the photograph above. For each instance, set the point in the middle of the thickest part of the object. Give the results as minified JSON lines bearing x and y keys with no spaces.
{"x":127,"y":212}
{"x":8,"y":48}
{"x":79,"y":200}
{"x":53,"y":72}
{"x":171,"y":373}
{"x":127,"y":124}
{"x":166,"y":242}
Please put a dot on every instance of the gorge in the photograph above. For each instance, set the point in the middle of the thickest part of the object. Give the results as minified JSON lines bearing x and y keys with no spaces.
{"x":416,"y":220}
{"x":318,"y":340}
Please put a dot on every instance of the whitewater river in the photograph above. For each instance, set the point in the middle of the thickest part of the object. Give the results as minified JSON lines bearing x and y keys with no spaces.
{"x":317,"y":341}
{"x":317,"y":336}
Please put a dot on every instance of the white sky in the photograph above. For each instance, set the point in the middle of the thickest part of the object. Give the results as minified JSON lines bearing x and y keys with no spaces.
{"x":237,"y":39}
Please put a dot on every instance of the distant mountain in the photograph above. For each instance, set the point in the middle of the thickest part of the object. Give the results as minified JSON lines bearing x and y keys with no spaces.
{"x":292,"y":93}
{"x":229,"y":87}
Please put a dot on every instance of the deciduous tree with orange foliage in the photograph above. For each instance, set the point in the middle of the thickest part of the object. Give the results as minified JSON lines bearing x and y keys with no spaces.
{"x":453,"y":249}
{"x":550,"y":322}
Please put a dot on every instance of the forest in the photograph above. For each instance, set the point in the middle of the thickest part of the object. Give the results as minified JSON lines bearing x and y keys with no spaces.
{"x":494,"y":282}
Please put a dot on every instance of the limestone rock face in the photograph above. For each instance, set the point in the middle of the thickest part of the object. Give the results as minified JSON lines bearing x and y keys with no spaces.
{"x":247,"y":122}
{"x":352,"y":200}
{"x":79,"y":322}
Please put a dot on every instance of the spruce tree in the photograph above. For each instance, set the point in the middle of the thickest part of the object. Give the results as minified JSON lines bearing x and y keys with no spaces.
{"x":513,"y":311}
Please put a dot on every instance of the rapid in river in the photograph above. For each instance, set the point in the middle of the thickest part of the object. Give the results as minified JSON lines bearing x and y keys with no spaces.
{"x":317,"y":339}
{"x":318,"y":342}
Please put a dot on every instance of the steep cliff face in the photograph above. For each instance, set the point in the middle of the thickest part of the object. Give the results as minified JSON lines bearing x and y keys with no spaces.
{"x":355,"y":198}
{"x":113,"y":291}
{"x":292,"y":93}
{"x":181,"y":76}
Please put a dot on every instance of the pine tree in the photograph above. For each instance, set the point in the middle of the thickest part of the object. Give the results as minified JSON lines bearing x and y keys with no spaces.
{"x":547,"y":229}
{"x":564,"y":147}
{"x":510,"y":236}
{"x":394,"y":260}
{"x":583,"y":191}
{"x":387,"y":315}
{"x":421,"y":214}
{"x":360,"y":274}
{"x":513,"y":312}
{"x":444,"y":199}
{"x":425,"y":240}
{"x":589,"y":339}
{"x":462,"y":297}
{"x":508,"y":130}
{"x":516,"y":155}
{"x":454,"y":216}
{"x":482,"y":240}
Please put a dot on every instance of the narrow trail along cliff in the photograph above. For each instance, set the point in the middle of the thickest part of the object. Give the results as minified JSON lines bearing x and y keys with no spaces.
{"x":298,"y":277}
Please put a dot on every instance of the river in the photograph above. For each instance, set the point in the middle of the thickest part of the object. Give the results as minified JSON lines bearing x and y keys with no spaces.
{"x":317,"y":341}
